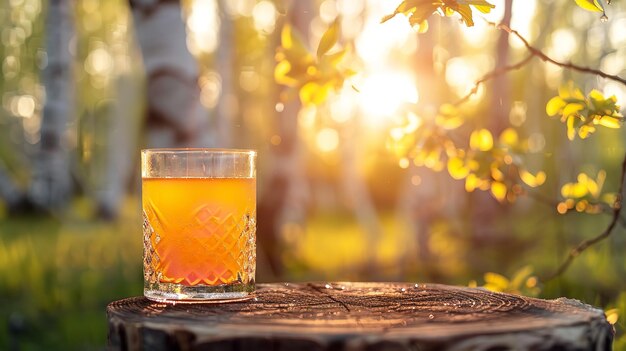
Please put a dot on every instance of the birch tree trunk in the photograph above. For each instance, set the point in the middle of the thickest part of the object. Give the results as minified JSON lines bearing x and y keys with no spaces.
{"x":224,"y":60}
{"x":175,"y":116}
{"x":286,"y":202}
{"x":52,"y":186}
{"x":119,"y":155}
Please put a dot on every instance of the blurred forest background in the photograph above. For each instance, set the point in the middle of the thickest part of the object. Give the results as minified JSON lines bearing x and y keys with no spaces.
{"x":86,"y":84}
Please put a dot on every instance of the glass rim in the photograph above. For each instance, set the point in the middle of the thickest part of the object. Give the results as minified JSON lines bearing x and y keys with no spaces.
{"x":191,"y":150}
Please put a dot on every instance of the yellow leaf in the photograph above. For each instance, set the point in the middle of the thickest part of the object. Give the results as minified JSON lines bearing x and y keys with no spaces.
{"x":574,"y":190}
{"x":313,"y":93}
{"x":422,"y":27}
{"x":571,"y":132}
{"x":280,"y":74}
{"x":456,"y":168}
{"x":471,"y":182}
{"x":596,"y":95}
{"x":496,"y":174}
{"x":497,"y":280}
{"x":532,"y":180}
{"x":509,"y":137}
{"x":572,"y":109}
{"x":286,"y":38}
{"x":590,"y":5}
{"x":480,"y":5}
{"x":582,"y":178}
{"x":609,"y":198}
{"x":570,"y":91}
{"x":585,"y":131}
{"x":329,"y":38}
{"x":481,"y":139}
{"x":498,"y":190}
{"x":337,"y":57}
{"x":483,"y":184}
{"x":608,"y":121}
{"x":449,"y":122}
{"x":554,"y":105}
{"x":466,"y":14}
{"x":612,"y":315}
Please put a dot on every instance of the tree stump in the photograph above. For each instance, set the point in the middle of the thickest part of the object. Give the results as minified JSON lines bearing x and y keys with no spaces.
{"x":361,"y":316}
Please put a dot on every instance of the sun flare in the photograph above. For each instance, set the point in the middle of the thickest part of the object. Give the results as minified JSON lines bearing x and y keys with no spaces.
{"x":383,"y":93}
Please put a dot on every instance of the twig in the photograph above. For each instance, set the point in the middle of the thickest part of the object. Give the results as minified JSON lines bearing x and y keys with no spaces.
{"x":617,"y":209}
{"x":540,"y":54}
{"x":534,"y":52}
{"x":493,"y":74}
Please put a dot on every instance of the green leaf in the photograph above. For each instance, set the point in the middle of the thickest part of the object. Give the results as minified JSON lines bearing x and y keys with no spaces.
{"x":329,"y":39}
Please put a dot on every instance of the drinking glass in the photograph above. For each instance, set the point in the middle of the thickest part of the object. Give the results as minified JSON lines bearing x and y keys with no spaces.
{"x":199,"y":224}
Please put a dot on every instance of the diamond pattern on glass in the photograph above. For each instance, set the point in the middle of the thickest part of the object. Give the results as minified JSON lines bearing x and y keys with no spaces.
{"x":230,"y":239}
{"x":219,"y":247}
{"x":151,"y":258}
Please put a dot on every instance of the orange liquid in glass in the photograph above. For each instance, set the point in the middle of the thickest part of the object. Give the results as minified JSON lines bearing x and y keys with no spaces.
{"x":203,"y":228}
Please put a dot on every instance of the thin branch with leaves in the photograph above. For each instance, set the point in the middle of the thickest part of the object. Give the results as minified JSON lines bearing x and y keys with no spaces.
{"x":541,"y":55}
{"x":585,"y":244}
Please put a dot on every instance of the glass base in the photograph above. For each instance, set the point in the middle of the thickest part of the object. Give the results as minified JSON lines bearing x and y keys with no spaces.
{"x":178,"y":293}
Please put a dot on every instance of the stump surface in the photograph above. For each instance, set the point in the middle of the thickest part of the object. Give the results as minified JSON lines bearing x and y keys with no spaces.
{"x":361,"y":316}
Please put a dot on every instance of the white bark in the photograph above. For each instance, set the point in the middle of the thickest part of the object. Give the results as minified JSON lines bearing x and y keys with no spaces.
{"x":51,"y":187}
{"x":119,"y":155}
{"x":224,"y":60}
{"x":176,"y":118}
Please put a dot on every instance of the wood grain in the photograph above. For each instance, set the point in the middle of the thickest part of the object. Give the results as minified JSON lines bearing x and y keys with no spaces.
{"x":361,"y":316}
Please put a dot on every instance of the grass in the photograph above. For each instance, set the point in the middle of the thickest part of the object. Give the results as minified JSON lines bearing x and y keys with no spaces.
{"x":56,"y":278}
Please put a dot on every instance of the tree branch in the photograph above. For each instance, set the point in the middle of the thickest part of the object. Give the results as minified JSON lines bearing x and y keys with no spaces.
{"x":493,"y":74}
{"x":540,"y":54}
{"x":534,"y":52}
{"x":617,"y":209}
